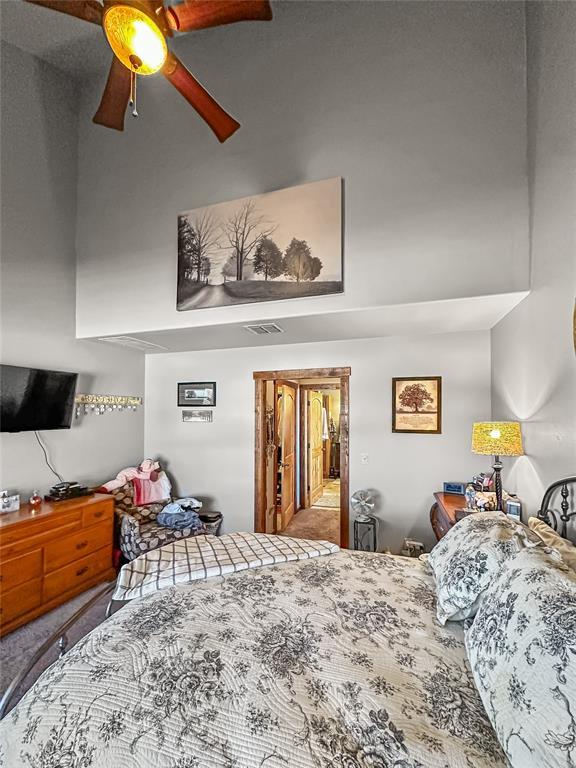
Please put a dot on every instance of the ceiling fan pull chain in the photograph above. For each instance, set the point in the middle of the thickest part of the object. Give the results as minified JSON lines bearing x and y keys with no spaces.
{"x":132,"y":102}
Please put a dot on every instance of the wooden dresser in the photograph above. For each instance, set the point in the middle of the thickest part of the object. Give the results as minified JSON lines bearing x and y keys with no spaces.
{"x":443,"y":512}
{"x":50,"y":555}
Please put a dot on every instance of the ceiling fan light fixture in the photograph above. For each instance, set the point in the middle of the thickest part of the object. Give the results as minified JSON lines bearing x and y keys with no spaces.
{"x":135,"y":38}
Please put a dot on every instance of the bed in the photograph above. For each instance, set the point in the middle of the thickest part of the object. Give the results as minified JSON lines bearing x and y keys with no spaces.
{"x":335,"y":659}
{"x":331,"y":661}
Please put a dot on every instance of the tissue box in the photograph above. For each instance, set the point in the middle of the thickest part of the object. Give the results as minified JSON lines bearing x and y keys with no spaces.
{"x":9,"y":502}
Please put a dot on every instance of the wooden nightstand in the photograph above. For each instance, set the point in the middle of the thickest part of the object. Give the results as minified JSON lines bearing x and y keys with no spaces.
{"x":443,"y":512}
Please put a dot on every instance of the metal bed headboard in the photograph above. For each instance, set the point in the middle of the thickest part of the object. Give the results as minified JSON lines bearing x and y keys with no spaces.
{"x":558,"y":520}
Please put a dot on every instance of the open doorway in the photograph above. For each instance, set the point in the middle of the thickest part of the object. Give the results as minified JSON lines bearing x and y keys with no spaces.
{"x":301,"y":459}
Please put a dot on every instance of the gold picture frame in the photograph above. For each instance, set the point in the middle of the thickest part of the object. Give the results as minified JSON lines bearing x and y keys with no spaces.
{"x":417,"y":405}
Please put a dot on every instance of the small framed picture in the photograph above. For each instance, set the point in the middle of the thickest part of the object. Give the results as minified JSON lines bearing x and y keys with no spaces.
{"x":417,"y":405}
{"x":514,"y":509}
{"x":197,"y":393}
{"x":205,"y":416}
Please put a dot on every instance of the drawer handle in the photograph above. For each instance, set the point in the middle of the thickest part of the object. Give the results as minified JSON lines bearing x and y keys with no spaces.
{"x":81,"y":544}
{"x":81,"y":571}
{"x":98,"y":514}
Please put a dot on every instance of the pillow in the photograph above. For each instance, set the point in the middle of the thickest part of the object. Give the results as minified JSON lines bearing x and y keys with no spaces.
{"x":552,"y":539}
{"x":522,"y":650}
{"x":466,"y":560}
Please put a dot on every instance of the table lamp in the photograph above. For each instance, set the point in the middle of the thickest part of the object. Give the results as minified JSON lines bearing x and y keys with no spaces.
{"x":497,"y":438}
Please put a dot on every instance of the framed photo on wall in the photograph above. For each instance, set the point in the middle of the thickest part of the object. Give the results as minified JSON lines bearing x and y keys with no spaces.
{"x":203,"y":416}
{"x":417,"y":405}
{"x":197,"y":393}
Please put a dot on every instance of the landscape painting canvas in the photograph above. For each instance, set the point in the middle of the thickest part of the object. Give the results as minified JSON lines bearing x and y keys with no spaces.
{"x":417,"y":405}
{"x":280,"y":245}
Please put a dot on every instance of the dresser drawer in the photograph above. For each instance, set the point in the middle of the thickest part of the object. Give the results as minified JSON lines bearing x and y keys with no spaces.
{"x":69,"y":549}
{"x":20,"y":569}
{"x":40,"y":527}
{"x":96,"y":513}
{"x":444,"y":525}
{"x":18,"y":601}
{"x":71,"y":575}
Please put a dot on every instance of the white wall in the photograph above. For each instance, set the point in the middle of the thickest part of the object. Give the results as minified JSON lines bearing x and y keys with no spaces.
{"x":419,"y":106}
{"x":534,"y":366}
{"x":39,"y":123}
{"x":216,"y":461}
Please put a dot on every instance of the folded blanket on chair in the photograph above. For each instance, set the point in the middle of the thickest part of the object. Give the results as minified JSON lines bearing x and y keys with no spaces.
{"x":181,"y":514}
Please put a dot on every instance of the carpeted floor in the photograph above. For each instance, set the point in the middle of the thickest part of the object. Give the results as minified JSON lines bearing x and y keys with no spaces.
{"x":330,"y":494}
{"x":322,"y":521}
{"x":17,"y":648}
{"x":315,"y":523}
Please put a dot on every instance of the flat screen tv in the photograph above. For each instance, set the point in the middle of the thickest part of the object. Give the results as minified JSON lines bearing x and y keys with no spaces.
{"x":33,"y":399}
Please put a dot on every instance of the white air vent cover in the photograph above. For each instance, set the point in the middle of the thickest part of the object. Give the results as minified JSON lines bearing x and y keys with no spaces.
{"x":132,"y":343}
{"x":264,"y":329}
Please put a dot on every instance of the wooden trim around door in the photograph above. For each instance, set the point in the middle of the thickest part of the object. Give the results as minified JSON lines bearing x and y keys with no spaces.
{"x":304,"y":373}
{"x":260,"y":458}
{"x":344,"y":460}
{"x":260,"y":378}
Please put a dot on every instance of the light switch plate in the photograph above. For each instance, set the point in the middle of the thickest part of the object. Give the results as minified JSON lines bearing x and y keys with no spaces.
{"x":363,"y":458}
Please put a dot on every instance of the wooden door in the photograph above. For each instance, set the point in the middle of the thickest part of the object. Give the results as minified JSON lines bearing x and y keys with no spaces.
{"x":286,"y":405}
{"x":271,"y":458}
{"x":314,"y":410}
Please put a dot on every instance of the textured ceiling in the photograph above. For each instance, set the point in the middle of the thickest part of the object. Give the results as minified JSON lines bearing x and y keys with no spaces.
{"x":70,"y":44}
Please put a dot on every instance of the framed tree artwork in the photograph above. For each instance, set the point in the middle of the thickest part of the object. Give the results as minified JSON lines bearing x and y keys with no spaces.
{"x":417,"y":405}
{"x":280,"y":245}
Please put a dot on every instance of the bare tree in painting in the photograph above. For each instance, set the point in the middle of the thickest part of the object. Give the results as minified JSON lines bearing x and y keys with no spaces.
{"x":415,"y":397}
{"x":268,"y":259}
{"x":244,"y":230}
{"x":186,"y":248}
{"x":299,"y":262}
{"x":205,"y":269}
{"x":207,"y":232}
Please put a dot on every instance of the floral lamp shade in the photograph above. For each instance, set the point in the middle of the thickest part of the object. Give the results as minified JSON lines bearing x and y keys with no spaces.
{"x":497,"y":438}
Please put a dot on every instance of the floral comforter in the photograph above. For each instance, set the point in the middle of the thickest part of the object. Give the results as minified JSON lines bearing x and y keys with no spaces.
{"x":337,"y":661}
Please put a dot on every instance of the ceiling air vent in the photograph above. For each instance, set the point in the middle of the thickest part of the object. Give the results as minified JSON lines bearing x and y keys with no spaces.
{"x":265,"y":329}
{"x":132,"y":343}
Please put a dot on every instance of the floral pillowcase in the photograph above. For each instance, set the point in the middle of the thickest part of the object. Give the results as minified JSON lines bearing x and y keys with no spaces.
{"x":470,"y":556}
{"x":522,"y":650}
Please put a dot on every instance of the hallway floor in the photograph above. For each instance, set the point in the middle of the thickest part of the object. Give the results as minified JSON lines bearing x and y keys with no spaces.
{"x":322,"y":521}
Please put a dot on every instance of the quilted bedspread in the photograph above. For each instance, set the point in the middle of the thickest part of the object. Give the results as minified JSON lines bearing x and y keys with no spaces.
{"x":337,"y":661}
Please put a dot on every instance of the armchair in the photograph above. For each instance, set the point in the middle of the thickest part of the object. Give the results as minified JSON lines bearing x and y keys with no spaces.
{"x":138,"y":531}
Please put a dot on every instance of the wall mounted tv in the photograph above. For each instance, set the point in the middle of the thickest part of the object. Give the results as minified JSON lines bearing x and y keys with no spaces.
{"x":31,"y":399}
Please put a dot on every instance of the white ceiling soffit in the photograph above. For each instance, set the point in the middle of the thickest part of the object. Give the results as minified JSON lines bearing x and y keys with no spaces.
{"x":471,"y":314}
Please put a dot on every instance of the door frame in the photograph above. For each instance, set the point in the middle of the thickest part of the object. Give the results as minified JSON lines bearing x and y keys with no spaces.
{"x":260,"y":379}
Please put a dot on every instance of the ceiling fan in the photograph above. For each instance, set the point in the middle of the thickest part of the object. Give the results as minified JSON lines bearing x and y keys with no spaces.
{"x":137,"y":30}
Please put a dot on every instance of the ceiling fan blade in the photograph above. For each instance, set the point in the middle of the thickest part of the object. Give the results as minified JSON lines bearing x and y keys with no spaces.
{"x":88,"y":10}
{"x":200,"y":14}
{"x":198,"y":97}
{"x":115,"y":97}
